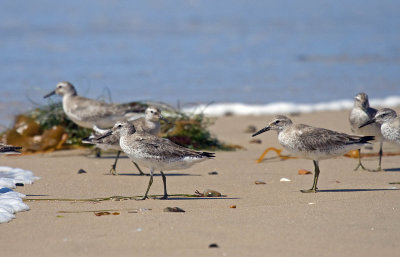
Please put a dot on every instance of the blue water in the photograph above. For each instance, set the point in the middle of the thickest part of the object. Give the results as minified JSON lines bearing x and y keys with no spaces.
{"x":200,"y":51}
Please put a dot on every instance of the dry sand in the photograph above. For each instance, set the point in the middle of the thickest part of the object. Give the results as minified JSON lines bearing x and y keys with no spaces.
{"x":357,"y":213}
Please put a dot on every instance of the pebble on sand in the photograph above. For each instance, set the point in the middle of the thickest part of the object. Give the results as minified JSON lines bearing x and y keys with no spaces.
{"x":173,"y":209}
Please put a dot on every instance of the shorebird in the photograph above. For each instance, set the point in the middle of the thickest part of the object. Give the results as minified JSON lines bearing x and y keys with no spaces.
{"x":87,"y":112}
{"x":9,"y":149}
{"x":313,"y":143}
{"x":158,"y":154}
{"x":359,"y":115}
{"x":150,"y":123}
{"x":390,"y":124}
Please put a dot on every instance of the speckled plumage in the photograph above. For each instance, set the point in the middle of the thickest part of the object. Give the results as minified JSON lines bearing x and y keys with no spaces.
{"x":390,"y":124}
{"x":88,"y":112}
{"x":313,"y":143}
{"x":150,"y":124}
{"x":158,"y":154}
{"x":360,"y":114}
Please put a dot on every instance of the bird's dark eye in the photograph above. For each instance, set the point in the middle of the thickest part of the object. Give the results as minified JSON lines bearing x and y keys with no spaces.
{"x":277,"y":122}
{"x":119,"y":126}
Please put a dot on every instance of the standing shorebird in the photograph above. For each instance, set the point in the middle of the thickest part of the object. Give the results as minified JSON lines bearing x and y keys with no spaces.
{"x":155,"y":153}
{"x":87,"y":112}
{"x":150,"y":123}
{"x":359,"y":115}
{"x":313,"y":143}
{"x":390,"y":124}
{"x":9,"y":149}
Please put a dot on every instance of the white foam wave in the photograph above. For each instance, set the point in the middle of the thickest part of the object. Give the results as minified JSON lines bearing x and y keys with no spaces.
{"x":220,"y":109}
{"x":10,"y":201}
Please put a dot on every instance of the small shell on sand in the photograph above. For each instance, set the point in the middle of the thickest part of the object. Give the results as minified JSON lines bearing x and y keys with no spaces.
{"x":209,"y":193}
{"x":304,"y":172}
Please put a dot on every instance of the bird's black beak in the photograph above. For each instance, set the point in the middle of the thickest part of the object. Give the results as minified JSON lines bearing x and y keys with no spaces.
{"x":367,"y":123}
{"x":50,"y":94}
{"x":164,"y":119}
{"x":261,"y":131}
{"x":108,"y":133}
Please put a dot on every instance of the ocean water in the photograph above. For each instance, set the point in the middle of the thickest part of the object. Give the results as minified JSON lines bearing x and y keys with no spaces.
{"x":184,"y":53}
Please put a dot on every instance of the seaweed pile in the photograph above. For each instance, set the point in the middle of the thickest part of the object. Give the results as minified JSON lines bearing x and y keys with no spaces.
{"x":48,"y":128}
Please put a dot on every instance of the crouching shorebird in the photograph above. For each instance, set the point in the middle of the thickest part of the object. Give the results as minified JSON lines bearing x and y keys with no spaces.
{"x":9,"y":149}
{"x":313,"y":143}
{"x":390,"y":124}
{"x":359,"y":115}
{"x":155,"y":153}
{"x":149,"y":124}
{"x":87,"y":112}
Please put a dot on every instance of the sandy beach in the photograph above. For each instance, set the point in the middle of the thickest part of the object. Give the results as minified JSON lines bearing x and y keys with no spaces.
{"x":356,"y":213}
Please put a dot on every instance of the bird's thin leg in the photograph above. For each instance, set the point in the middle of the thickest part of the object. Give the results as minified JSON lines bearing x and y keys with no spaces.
{"x":359,"y":161}
{"x":316,"y":175}
{"x":164,"y":179}
{"x":380,"y":156}
{"x":150,"y":182}
{"x":114,"y":166}
{"x":141,"y":173}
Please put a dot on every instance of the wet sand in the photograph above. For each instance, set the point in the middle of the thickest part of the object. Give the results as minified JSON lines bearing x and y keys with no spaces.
{"x":356,"y":213}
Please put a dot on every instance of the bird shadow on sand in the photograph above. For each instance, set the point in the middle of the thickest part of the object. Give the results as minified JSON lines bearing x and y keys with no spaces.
{"x":157,"y":175}
{"x":108,"y":157}
{"x":36,"y":195}
{"x":356,"y":190}
{"x":392,"y":170}
{"x":198,"y":198}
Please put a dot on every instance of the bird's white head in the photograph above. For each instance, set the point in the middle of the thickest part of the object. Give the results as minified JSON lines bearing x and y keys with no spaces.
{"x":361,"y":101}
{"x":279,"y":123}
{"x":62,"y":89}
{"x":382,"y":116}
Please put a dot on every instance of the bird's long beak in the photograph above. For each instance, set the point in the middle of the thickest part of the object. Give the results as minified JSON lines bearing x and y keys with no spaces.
{"x":50,"y":94}
{"x":108,"y":133}
{"x":261,"y":131}
{"x":368,"y":122}
{"x":164,"y":119}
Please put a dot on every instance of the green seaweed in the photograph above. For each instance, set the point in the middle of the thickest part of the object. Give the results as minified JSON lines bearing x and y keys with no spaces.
{"x":186,"y":130}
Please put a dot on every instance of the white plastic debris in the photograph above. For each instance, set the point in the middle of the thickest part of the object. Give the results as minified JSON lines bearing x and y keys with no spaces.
{"x":10,"y":201}
{"x":285,"y":180}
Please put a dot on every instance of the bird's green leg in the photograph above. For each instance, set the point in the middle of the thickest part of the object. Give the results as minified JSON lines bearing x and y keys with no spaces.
{"x":114,"y":166}
{"x":141,"y":173}
{"x":150,"y":183}
{"x":164,"y":179}
{"x":359,"y":161}
{"x":316,"y":175}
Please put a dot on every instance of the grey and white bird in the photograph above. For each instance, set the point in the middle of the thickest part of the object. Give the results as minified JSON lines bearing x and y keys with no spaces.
{"x":158,"y":154}
{"x":150,"y":123}
{"x":359,"y":115}
{"x":87,"y":112}
{"x":9,"y":149}
{"x":313,"y":143}
{"x":390,"y":124}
